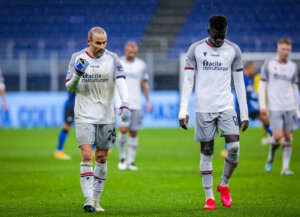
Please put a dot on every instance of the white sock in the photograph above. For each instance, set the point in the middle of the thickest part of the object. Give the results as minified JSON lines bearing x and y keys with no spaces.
{"x":99,"y":179}
{"x":286,"y":155}
{"x":122,"y":142}
{"x":132,"y":145}
{"x":206,"y":171}
{"x":86,"y":180}
{"x":231,"y":161}
{"x":273,"y":147}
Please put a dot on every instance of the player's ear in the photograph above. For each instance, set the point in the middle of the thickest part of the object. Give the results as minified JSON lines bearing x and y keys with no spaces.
{"x":208,"y":30}
{"x":89,"y":42}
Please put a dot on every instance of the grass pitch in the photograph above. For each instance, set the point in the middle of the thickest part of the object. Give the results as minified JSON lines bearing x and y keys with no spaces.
{"x":168,"y":182}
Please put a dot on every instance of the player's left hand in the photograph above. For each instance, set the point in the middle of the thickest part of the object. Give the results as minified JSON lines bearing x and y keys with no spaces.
{"x":148,"y":107}
{"x":124,"y":111}
{"x":244,"y":125}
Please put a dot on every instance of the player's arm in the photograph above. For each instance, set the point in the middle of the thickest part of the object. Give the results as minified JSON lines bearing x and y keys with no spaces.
{"x":262,"y":86}
{"x":145,"y":89}
{"x":239,"y":85}
{"x":2,"y":92}
{"x":187,"y":87}
{"x":119,"y":76}
{"x":295,"y":82}
{"x":76,"y":69}
{"x":296,"y":95}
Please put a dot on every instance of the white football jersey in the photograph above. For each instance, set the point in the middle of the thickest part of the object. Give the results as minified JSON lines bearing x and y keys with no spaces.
{"x":213,"y":68}
{"x":95,"y":90}
{"x":136,"y":72}
{"x":280,"y":78}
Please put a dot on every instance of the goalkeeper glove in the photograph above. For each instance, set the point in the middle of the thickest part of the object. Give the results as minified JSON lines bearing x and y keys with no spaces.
{"x":81,"y":65}
{"x":124,"y":111}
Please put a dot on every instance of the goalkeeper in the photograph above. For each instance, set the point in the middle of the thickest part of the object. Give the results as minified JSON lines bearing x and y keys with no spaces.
{"x":93,"y":73}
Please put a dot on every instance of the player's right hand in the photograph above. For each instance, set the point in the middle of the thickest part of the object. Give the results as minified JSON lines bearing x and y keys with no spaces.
{"x":124,"y":111}
{"x":81,"y":65}
{"x":264,"y":111}
{"x":184,"y":122}
{"x":183,"y":116}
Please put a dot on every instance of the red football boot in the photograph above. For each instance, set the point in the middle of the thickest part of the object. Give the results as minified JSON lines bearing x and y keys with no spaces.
{"x":210,"y":204}
{"x":225,"y":195}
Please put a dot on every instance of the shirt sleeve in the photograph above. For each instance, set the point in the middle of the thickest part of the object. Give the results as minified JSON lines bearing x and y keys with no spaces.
{"x":295,"y":79}
{"x":145,"y":75}
{"x":2,"y":85}
{"x":190,"y":61}
{"x":71,"y":68}
{"x":119,"y":71}
{"x":264,"y":75}
{"x":237,"y":64}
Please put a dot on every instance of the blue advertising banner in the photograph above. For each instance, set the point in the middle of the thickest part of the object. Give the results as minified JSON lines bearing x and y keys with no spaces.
{"x":46,"y":109}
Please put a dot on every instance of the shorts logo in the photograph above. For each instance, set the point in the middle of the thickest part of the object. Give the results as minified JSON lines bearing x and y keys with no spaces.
{"x":215,"y":66}
{"x":235,"y":120}
{"x":93,"y":78}
{"x":112,"y":135}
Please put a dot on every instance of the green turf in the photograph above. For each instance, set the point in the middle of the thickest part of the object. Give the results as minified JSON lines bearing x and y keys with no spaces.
{"x":168,"y":182}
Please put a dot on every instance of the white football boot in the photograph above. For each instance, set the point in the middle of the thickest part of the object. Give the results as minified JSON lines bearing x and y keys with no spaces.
{"x":122,"y":165}
{"x":97,"y":206}
{"x":132,"y":167}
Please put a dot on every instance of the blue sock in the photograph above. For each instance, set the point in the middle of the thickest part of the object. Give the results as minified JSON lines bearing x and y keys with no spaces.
{"x":267,"y":128}
{"x":225,"y":146}
{"x":61,"y":140}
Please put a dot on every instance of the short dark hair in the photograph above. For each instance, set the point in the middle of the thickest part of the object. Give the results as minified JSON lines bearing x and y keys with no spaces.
{"x":219,"y":22}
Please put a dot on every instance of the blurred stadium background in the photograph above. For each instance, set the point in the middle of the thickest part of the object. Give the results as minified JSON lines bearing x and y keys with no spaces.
{"x":37,"y":38}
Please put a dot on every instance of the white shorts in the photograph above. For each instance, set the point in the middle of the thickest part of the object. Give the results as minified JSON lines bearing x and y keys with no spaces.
{"x":286,"y":120}
{"x":103,"y":136}
{"x":135,"y":123}
{"x":207,"y":124}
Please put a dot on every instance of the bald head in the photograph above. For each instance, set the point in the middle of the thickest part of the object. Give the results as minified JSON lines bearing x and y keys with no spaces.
{"x":97,"y":41}
{"x":249,"y":69}
{"x":94,"y":30}
{"x":131,"y":49}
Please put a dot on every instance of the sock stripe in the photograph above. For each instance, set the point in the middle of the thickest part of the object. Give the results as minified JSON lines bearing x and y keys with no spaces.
{"x":287,"y":145}
{"x":231,"y":162}
{"x":206,"y":172}
{"x":87,"y":174}
{"x":96,"y":177}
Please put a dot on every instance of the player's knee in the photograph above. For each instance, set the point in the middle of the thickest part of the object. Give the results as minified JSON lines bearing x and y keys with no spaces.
{"x":277,"y":134}
{"x":231,"y":138}
{"x":133,"y":133}
{"x":233,"y":147}
{"x":233,"y":151}
{"x":86,"y":153}
{"x":101,"y":159}
{"x":123,"y":130}
{"x":87,"y":157}
{"x":287,"y":136}
{"x":207,"y":148}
